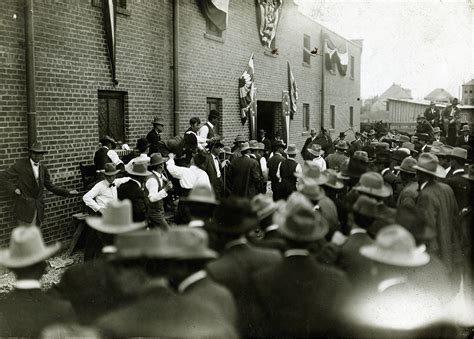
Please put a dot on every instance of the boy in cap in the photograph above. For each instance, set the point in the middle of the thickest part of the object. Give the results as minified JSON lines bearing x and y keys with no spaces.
{"x":26,"y":310}
{"x":25,"y":181}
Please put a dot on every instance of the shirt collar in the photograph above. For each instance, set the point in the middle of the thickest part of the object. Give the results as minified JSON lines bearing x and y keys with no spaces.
{"x":236,"y":242}
{"x":385,"y":170}
{"x":296,"y":252}
{"x":138,"y":182}
{"x":270,"y":228}
{"x":423,"y":185}
{"x":27,"y":284}
{"x":210,"y":124}
{"x":193,"y":278}
{"x":461,"y":170}
{"x":357,"y":230}
{"x":196,"y":223}
{"x":33,"y":163}
{"x":390,"y":282}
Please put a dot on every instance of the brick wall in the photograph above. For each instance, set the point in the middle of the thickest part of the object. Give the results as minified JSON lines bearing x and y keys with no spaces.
{"x":72,"y":66}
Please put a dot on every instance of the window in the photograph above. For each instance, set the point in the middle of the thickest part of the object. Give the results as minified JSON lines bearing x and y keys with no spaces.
{"x":387,"y":106}
{"x":212,"y":29}
{"x":351,"y":116}
{"x":305,"y":117}
{"x":352,"y":66}
{"x":122,"y":4}
{"x":111,"y":114}
{"x":215,"y":103}
{"x":470,"y":91}
{"x":307,"y":49}
{"x":332,"y":113}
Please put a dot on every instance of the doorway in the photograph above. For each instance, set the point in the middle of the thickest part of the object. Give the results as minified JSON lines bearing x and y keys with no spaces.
{"x":269,"y":117}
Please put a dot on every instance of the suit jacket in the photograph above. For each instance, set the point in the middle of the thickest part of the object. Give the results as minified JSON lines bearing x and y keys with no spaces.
{"x":460,"y":141}
{"x":268,"y":146}
{"x":21,"y":176}
{"x":246,"y":178}
{"x":24,"y":313}
{"x":234,"y":270}
{"x":408,"y":195}
{"x":300,"y":298}
{"x":153,"y":139}
{"x":131,"y":190}
{"x":162,"y":313}
{"x":461,"y":188}
{"x":351,"y":261}
{"x":432,"y":117}
{"x":438,"y":209}
{"x":357,"y":145}
{"x":210,"y":168}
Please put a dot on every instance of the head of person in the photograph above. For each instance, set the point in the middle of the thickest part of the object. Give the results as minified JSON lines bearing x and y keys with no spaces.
{"x":138,"y":171}
{"x":215,"y":148}
{"x":432,"y":104}
{"x":428,"y":168}
{"x":364,"y":212}
{"x":455,"y":102}
{"x":110,"y":172}
{"x":142,"y":145}
{"x":245,"y":148}
{"x":200,"y":204}
{"x":108,"y":142}
{"x":158,"y":124}
{"x":194,"y":124}
{"x":36,"y":152}
{"x":213,"y":117}
{"x":157,"y":162}
{"x":291,"y":151}
{"x":225,"y":153}
{"x":372,"y":185}
{"x":261,"y":134}
{"x":458,"y":158}
{"x":312,"y":132}
{"x":264,"y":206}
{"x":465,"y":130}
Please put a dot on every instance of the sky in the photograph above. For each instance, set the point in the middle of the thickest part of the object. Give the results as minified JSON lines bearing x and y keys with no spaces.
{"x":421,"y":45}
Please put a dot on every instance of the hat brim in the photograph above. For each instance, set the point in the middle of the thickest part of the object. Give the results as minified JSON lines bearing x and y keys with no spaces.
{"x":345,"y":148}
{"x":244,"y":149}
{"x":109,"y":173}
{"x":35,"y":150}
{"x":9,"y":262}
{"x":337,"y":185}
{"x":399,"y":168}
{"x":418,"y":258}
{"x":440,"y":172}
{"x":98,"y":224}
{"x":383,"y":192}
{"x":267,"y":211}
{"x":321,"y":152}
{"x":466,"y":176}
{"x":244,"y":227}
{"x":319,"y":232}
{"x":158,"y":163}
{"x":140,"y":174}
{"x":319,"y":181}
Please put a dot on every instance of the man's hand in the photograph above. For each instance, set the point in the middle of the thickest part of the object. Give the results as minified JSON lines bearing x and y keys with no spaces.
{"x":169,"y":186}
{"x":74,"y":192}
{"x":17,"y":191}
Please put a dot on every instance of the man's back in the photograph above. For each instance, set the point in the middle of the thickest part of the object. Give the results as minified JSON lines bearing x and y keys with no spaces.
{"x":245,"y":176}
{"x":132,"y":191}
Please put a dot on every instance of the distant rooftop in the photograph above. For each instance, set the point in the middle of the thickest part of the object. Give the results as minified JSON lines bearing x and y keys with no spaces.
{"x":396,"y":91}
{"x":469,"y":82}
{"x":439,"y":94}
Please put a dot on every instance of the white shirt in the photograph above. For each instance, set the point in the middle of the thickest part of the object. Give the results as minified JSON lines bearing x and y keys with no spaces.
{"x":27,"y":284}
{"x":216,"y":165}
{"x":296,"y":252}
{"x":192,"y":279}
{"x":204,"y":131}
{"x":101,"y":194}
{"x":320,"y":162}
{"x":35,"y":169}
{"x":141,"y":158}
{"x":263,"y":166}
{"x":152,"y":186}
{"x":188,"y":177}
{"x":113,"y":156}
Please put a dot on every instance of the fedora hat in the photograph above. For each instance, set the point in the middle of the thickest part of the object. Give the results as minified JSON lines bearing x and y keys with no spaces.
{"x":361,"y":156}
{"x":253,"y":144}
{"x":291,"y":149}
{"x":157,"y":121}
{"x":310,"y":189}
{"x":240,"y":138}
{"x":435,"y":150}
{"x":137,"y":244}
{"x":342,"y":145}
{"x":437,"y":143}
{"x":109,"y":169}
{"x":116,"y":219}
{"x":465,"y":128}
{"x":138,"y":168}
{"x":261,"y":146}
{"x":403,"y":138}
{"x":26,"y":248}
{"x":372,"y":183}
{"x":459,"y":152}
{"x":37,"y":147}
{"x":407,"y":165}
{"x":394,"y":245}
{"x":244,"y":146}
{"x":364,"y":134}
{"x":400,"y":154}
{"x":202,"y":194}
{"x":445,"y":150}
{"x":186,"y":243}
{"x":382,"y":147}
{"x":298,"y":220}
{"x":316,"y":150}
{"x":470,"y":173}
{"x":409,"y":145}
{"x":312,"y":172}
{"x":263,"y":205}
{"x":423,"y":136}
{"x":372,"y":132}
{"x":420,"y":116}
{"x":157,"y":159}
{"x":436,"y":130}
{"x":107,"y":139}
{"x":226,"y":150}
{"x":429,"y":163}
{"x":367,"y":206}
{"x":278,"y":143}
{"x":234,"y":216}
{"x":333,"y":180}
{"x":356,"y":166}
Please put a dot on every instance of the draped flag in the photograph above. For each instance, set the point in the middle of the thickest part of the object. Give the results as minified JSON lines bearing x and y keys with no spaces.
{"x":247,"y":97}
{"x":293,"y":90}
{"x":285,"y":110}
{"x":336,"y":56}
{"x":216,"y":11}
{"x":109,"y":10}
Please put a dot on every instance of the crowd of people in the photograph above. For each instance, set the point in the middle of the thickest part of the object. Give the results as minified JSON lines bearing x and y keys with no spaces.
{"x":189,"y":237}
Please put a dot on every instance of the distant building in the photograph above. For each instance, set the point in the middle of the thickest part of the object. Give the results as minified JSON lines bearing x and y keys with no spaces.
{"x":395,"y":91}
{"x":439,"y":96}
{"x":467,"y":93}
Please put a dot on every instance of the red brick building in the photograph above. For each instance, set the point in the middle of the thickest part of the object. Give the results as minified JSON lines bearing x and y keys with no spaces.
{"x":76,"y":100}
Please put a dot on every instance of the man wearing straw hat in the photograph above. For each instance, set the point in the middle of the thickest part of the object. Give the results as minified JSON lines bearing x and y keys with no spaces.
{"x":26,"y":310}
{"x":439,"y":210}
{"x":25,"y":181}
{"x":88,"y":285}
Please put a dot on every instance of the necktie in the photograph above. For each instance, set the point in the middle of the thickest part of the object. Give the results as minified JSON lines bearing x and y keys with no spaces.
{"x":36,"y":164}
{"x":112,"y":184}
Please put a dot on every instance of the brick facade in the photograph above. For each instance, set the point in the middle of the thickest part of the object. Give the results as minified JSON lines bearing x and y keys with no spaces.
{"x":72,"y":66}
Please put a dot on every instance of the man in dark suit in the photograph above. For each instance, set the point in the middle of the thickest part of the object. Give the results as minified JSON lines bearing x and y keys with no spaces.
{"x":358,"y":143}
{"x":106,"y":154}
{"x":245,"y":174}
{"x":432,"y":115}
{"x":458,"y":183}
{"x":239,"y":259}
{"x":213,"y":167}
{"x":134,"y":190}
{"x":273,"y":164}
{"x":464,"y":138}
{"x":26,"y":181}
{"x":451,"y":121}
{"x":266,"y":142}
{"x":299,"y":296}
{"x":307,"y":144}
{"x":26,"y":310}
{"x":154,"y":136}
{"x":424,"y":127}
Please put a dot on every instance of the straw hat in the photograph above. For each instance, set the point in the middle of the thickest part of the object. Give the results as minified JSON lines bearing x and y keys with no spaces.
{"x":291,"y":150}
{"x":316,"y":150}
{"x":253,"y":144}
{"x":138,"y":168}
{"x":263,"y":205}
{"x":37,"y":147}
{"x":429,"y":163}
{"x":202,"y":194}
{"x":367,"y":206}
{"x":116,"y":219}
{"x":342,"y":145}
{"x":333,"y":180}
{"x":298,"y":221}
{"x":459,"y":152}
{"x":394,"y":245}
{"x":109,"y":169}
{"x":312,"y":172}
{"x":407,"y":165}
{"x":26,"y":248}
{"x":372,"y":183}
{"x":226,"y":150}
{"x":244,"y":146}
{"x":310,"y":189}
{"x":157,"y":159}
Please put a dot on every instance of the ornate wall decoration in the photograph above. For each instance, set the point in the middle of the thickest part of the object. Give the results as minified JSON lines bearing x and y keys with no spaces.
{"x":268,"y":16}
